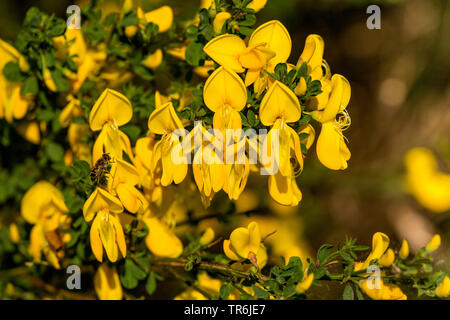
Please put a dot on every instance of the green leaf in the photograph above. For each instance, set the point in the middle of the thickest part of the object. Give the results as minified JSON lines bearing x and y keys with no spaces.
{"x":12,"y":72}
{"x":61,"y":83}
{"x":150,"y":285}
{"x":260,"y":293}
{"x":29,"y":86}
{"x":323,"y":253}
{"x":348,"y":293}
{"x":194,"y":53}
{"x":225,"y":290}
{"x":55,"y":152}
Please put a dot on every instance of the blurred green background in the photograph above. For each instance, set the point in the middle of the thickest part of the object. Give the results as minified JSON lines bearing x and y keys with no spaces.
{"x":400,"y":99}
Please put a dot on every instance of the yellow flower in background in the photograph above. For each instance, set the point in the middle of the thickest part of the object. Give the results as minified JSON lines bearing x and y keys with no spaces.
{"x":387,"y":291}
{"x":161,"y":241}
{"x":305,"y":284}
{"x":219,"y":20}
{"x":153,"y":60}
{"x":243,"y":243}
{"x":30,"y":131}
{"x":404,"y":250}
{"x":77,"y":134}
{"x":206,"y":284}
{"x":443,"y":289}
{"x":429,"y":186}
{"x":43,"y":206}
{"x":12,"y":104}
{"x":380,"y":243}
{"x":107,"y":284}
{"x":110,"y":111}
{"x":257,"y":5}
{"x":14,"y":234}
{"x":280,"y":106}
{"x":162,"y":17}
{"x":207,"y":236}
{"x":434,"y":243}
{"x":106,"y":230}
{"x":164,"y":121}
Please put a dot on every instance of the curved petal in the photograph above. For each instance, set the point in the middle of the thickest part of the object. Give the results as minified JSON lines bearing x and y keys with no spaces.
{"x":331,"y":148}
{"x":279,"y":103}
{"x":161,"y":240}
{"x":98,"y":200}
{"x":225,"y":50}
{"x":224,"y":88}
{"x":276,"y":37}
{"x":164,"y":120}
{"x":162,"y":17}
{"x":110,"y":106}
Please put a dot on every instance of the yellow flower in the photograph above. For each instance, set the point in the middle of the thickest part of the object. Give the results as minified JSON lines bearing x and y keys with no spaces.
{"x":71,"y":110}
{"x":279,"y":107}
{"x":124,"y":178}
{"x":110,"y":111}
{"x":29,"y":130}
{"x":434,"y":243}
{"x":225,"y":94}
{"x":425,"y":182}
{"x":153,"y":60}
{"x":219,"y":20}
{"x":162,"y":17}
{"x":165,"y":121}
{"x":386,"y":291}
{"x":380,"y":243}
{"x":443,"y":289}
{"x":76,"y":135}
{"x":107,"y":284}
{"x":257,"y":5}
{"x":387,"y":259}
{"x":12,"y":104}
{"x":305,"y":284}
{"x":244,"y":242}
{"x":161,"y":241}
{"x":404,"y":250}
{"x":268,"y":45}
{"x":106,"y":232}
{"x":331,"y":148}
{"x":207,"y":236}
{"x":43,"y":206}
{"x":14,"y":234}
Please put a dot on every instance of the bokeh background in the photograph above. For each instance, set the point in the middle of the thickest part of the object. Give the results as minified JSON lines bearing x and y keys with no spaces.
{"x":400,"y":100}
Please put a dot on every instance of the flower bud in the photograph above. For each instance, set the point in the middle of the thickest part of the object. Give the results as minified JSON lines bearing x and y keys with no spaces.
{"x":443,"y":289}
{"x":434,"y":243}
{"x":130,"y":31}
{"x":388,"y":258}
{"x":14,"y":233}
{"x":404,"y":250}
{"x":152,"y":61}
{"x":207,"y":236}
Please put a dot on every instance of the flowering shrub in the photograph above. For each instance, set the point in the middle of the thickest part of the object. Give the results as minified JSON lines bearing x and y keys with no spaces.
{"x":125,"y":131}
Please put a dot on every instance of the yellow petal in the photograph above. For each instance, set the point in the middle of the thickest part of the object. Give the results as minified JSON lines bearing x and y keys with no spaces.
{"x":30,"y":131}
{"x":225,"y":50}
{"x":162,"y":17}
{"x":388,"y":258}
{"x":96,"y":242}
{"x":305,"y":284}
{"x":224,"y":88}
{"x":107,"y":284}
{"x":207,"y":236}
{"x":220,"y":20}
{"x":98,"y":200}
{"x":42,"y":199}
{"x":161,"y":240}
{"x":110,"y":106}
{"x":276,"y":38}
{"x":152,"y":61}
{"x":279,"y":102}
{"x":164,"y":120}
{"x":257,"y":5}
{"x":312,"y":54}
{"x":229,"y":252}
{"x":284,"y":190}
{"x":331,"y":148}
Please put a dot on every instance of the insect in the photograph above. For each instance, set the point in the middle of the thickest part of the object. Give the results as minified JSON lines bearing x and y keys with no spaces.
{"x":101,"y":167}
